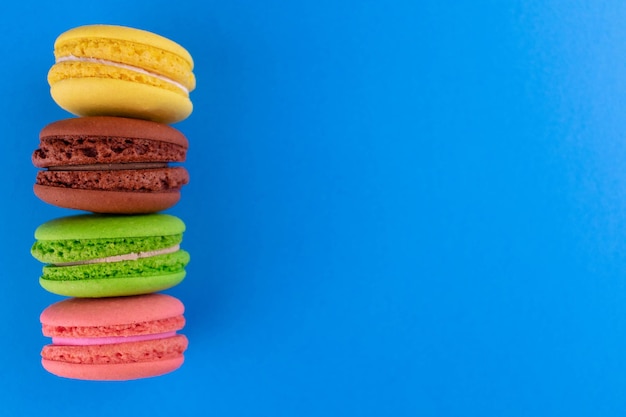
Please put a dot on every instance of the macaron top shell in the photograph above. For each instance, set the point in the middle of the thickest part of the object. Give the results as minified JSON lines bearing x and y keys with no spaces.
{"x":125,"y":34}
{"x":107,"y":126}
{"x":97,"y":141}
{"x":124,"y":45}
{"x":93,"y":226}
{"x":101,"y":313}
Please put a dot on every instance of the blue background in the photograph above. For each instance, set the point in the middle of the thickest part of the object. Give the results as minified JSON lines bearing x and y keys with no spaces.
{"x":395,"y":209}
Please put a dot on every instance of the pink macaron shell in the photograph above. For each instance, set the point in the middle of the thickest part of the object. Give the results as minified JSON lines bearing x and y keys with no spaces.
{"x":103,"y":312}
{"x":129,"y":352}
{"x":119,"y":361}
{"x":113,"y":372}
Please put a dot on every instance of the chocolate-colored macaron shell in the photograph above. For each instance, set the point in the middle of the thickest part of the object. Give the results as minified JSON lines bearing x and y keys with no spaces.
{"x":103,"y":139}
{"x":144,"y":180}
{"x":113,"y":202}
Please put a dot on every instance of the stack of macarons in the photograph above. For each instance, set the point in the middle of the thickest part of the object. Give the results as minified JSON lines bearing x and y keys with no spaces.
{"x":116,"y":161}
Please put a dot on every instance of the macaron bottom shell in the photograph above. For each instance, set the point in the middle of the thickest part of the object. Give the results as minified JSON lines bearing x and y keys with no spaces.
{"x":112,"y":287}
{"x":113,"y":202}
{"x":120,"y":98}
{"x":112,"y":372}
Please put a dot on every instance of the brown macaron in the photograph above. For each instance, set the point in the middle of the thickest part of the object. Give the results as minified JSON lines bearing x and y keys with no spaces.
{"x":110,"y":165}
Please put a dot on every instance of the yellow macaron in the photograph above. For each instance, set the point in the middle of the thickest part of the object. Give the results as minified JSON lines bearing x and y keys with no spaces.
{"x":121,"y":71}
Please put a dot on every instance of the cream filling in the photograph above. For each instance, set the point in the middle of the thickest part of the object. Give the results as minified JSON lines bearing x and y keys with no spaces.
{"x":109,"y":167}
{"x":72,"y":58}
{"x":90,"y":341}
{"x":125,"y":257}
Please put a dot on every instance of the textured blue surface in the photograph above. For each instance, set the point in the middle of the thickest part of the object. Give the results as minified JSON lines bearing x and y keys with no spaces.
{"x":396,"y":209}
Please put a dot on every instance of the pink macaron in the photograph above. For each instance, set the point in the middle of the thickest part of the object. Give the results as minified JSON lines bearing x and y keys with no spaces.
{"x":120,"y":338}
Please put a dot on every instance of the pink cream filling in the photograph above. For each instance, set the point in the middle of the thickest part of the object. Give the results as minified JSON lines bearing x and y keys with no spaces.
{"x":87,"y":341}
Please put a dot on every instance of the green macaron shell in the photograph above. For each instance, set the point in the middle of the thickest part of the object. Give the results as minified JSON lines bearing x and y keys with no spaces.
{"x":95,"y":226}
{"x":59,"y":251}
{"x":141,"y":276}
{"x":112,"y":287}
{"x":154,"y":265}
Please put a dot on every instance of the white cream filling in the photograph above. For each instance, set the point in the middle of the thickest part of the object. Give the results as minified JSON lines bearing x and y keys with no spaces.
{"x":124,"y":257}
{"x":72,"y":58}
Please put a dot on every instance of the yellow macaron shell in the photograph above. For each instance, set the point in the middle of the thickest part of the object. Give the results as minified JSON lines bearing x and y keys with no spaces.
{"x":121,"y":71}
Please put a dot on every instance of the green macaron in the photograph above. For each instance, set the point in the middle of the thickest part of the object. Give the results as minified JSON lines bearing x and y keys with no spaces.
{"x":94,"y":255}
